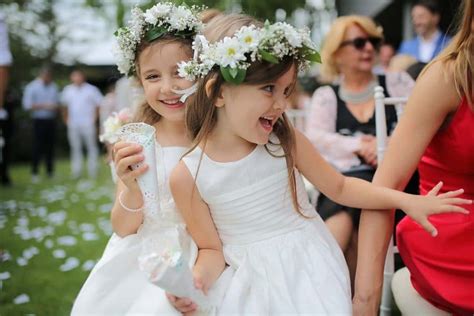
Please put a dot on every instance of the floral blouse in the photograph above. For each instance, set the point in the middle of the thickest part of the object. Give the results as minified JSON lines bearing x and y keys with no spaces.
{"x":320,"y":128}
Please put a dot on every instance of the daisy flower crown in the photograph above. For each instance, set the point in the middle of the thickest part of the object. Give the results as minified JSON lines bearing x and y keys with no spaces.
{"x":233,"y":55}
{"x":162,"y":18}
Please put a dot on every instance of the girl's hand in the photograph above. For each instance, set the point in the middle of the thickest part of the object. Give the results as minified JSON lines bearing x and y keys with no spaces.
{"x":125,"y":155}
{"x":420,"y":207}
{"x":182,"y":304}
{"x":201,"y":281}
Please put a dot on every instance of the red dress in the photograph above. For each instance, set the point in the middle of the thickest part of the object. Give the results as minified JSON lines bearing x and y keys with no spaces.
{"x":442,"y":268}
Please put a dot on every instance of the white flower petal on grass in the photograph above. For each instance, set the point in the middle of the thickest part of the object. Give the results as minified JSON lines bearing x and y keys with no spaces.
{"x":21,"y":299}
{"x":66,"y":240}
{"x":70,"y":264}
{"x":59,"y":253}
{"x":89,"y":236}
{"x":21,"y":261}
{"x":88,"y":265}
{"x":48,"y":243}
{"x":4,"y":275}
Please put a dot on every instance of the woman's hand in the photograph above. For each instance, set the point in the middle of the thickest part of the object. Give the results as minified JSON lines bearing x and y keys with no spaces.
{"x":125,"y":155}
{"x":182,"y":304}
{"x":368,"y":150}
{"x":420,"y":207}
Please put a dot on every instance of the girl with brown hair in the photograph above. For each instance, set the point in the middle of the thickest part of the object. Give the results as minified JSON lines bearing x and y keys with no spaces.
{"x":239,"y":187}
{"x":150,"y":48}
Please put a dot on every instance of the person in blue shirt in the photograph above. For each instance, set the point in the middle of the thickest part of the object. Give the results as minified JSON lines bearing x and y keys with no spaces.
{"x":41,"y":97}
{"x":429,"y":40}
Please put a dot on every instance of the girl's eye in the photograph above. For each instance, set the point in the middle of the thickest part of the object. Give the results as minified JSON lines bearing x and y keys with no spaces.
{"x":152,"y":77}
{"x":269,"y":88}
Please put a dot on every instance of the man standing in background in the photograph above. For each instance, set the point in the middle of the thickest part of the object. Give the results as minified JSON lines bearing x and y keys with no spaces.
{"x":41,"y":97}
{"x":430,"y":40}
{"x":5,"y":123}
{"x":82,"y":101}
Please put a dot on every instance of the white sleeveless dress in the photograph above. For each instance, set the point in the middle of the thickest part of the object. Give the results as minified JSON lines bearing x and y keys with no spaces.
{"x":282,"y":263}
{"x":116,"y":285}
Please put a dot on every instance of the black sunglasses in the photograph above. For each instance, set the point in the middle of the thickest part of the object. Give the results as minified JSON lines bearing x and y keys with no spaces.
{"x":359,"y":42}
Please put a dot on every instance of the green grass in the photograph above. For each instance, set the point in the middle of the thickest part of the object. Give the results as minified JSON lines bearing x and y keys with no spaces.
{"x":36,"y":215}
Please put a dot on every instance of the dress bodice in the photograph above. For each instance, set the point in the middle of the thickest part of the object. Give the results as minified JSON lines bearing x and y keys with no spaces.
{"x":450,"y":155}
{"x":249,"y":199}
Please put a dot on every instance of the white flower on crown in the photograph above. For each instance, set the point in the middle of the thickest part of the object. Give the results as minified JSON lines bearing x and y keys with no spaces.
{"x":249,"y":36}
{"x":156,"y":12}
{"x":230,"y":52}
{"x":271,"y":43}
{"x":172,"y":18}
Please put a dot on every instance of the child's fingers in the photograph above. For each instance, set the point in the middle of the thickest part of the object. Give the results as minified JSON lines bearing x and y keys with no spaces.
{"x":124,"y":164}
{"x":425,"y":223}
{"x":453,"y":209}
{"x":436,"y":189}
{"x":458,"y":201}
{"x":126,"y":150}
{"x":451,"y":193}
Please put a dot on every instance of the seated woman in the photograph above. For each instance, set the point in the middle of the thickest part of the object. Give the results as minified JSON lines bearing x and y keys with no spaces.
{"x":341,"y":121}
{"x":436,"y":134}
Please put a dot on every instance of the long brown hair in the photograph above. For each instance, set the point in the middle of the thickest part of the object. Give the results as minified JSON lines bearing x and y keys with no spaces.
{"x":459,"y":53}
{"x":201,"y":113}
{"x":144,"y":112}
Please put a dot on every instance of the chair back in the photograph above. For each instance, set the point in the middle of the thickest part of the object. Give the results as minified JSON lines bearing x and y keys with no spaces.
{"x":381,"y":135}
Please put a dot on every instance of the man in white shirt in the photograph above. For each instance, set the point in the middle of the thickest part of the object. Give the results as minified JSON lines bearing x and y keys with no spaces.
{"x":41,"y":98}
{"x":5,"y":119}
{"x":429,"y":41}
{"x":82,"y":101}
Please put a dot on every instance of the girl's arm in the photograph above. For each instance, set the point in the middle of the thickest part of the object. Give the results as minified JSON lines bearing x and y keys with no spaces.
{"x":433,"y":98}
{"x":210,"y":261}
{"x":125,"y":222}
{"x":362,"y":194}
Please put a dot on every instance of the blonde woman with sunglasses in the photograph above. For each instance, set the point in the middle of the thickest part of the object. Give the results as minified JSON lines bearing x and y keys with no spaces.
{"x":341,"y":123}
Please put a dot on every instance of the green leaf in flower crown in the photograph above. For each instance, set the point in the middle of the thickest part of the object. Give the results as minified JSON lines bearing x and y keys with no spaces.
{"x":233,"y":75}
{"x":268,"y":56}
{"x":154,"y":33}
{"x":311,"y":54}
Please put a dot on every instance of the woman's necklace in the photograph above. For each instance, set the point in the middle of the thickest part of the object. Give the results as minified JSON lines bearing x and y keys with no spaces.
{"x":360,"y":96}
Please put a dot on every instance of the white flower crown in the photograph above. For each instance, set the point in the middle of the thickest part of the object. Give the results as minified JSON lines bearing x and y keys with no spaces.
{"x":163,"y":18}
{"x":235,"y":54}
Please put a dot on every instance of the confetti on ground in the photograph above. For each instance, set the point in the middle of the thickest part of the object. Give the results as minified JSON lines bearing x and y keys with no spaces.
{"x":71,"y":263}
{"x":4,"y":275}
{"x":59,"y":253}
{"x":21,"y":299}
{"x":88,"y":265}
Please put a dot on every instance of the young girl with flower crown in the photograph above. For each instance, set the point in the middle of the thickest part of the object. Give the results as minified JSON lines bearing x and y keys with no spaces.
{"x":240,"y":189}
{"x":150,"y":49}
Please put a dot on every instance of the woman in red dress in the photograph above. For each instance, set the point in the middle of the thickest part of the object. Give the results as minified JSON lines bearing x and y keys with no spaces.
{"x":435,"y":134}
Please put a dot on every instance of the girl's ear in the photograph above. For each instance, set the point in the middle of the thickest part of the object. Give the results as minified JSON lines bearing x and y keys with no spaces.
{"x":219,"y":102}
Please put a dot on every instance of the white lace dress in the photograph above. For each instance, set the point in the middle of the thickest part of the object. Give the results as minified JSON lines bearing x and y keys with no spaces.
{"x":116,"y":285}
{"x":282,"y":263}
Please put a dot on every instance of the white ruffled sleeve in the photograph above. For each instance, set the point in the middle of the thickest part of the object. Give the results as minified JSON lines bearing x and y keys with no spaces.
{"x":320,"y":129}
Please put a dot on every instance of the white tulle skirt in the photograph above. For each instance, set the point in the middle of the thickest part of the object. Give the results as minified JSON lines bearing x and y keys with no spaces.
{"x":116,"y":286}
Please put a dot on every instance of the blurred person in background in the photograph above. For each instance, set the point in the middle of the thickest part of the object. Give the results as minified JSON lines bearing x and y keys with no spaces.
{"x":5,"y":117}
{"x":386,"y":53}
{"x":41,"y":98}
{"x":81,"y":102}
{"x":430,"y":40}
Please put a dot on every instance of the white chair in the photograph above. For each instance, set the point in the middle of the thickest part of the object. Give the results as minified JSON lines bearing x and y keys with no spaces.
{"x":297,"y":118}
{"x":381,"y":133}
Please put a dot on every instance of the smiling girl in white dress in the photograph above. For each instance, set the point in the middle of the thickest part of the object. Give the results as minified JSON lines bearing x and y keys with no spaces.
{"x":150,"y":47}
{"x":240,"y":189}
